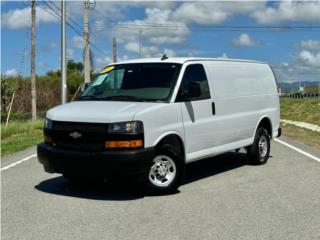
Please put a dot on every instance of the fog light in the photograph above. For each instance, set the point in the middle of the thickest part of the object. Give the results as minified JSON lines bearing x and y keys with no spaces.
{"x":124,"y":144}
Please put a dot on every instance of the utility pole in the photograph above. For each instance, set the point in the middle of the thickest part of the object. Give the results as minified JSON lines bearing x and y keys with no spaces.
{"x":140,"y":35}
{"x":33,"y":61}
{"x":114,"y":50}
{"x":87,"y":64}
{"x":63,"y":53}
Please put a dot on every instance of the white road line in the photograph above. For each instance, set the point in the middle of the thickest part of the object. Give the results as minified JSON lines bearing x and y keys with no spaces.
{"x":298,"y":150}
{"x":18,"y":162}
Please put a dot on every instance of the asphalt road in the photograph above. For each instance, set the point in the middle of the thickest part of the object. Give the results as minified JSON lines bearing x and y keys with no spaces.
{"x":222,"y":198}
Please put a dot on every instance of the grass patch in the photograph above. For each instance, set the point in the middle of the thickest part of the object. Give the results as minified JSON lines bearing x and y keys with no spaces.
{"x":304,"y":110}
{"x":20,"y":135}
{"x":305,"y":136}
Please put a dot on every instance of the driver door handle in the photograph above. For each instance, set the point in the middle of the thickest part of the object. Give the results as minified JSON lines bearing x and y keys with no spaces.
{"x":213,"y":109}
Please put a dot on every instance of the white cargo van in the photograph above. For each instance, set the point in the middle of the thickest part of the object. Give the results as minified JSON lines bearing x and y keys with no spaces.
{"x":148,"y":118}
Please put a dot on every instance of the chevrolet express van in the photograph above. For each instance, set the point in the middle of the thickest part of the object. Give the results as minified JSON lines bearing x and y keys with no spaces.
{"x":148,"y":118}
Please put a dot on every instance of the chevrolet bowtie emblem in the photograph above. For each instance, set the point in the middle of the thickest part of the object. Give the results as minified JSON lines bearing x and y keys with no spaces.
{"x":75,"y":135}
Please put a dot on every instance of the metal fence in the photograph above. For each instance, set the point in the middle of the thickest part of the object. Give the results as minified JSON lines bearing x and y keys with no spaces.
{"x":301,"y":95}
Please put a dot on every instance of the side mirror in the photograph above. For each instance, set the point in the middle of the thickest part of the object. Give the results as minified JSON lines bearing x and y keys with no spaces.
{"x":84,"y":86}
{"x":194,"y":90}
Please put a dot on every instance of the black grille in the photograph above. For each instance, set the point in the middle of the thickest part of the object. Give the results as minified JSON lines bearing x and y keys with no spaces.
{"x":79,"y":136}
{"x":85,"y":127}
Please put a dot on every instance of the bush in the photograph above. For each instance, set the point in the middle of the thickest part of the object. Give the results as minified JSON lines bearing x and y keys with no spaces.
{"x":48,"y":91}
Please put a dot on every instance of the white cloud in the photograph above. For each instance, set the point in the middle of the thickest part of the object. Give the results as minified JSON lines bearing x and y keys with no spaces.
{"x":47,"y":47}
{"x":132,"y":47}
{"x":288,"y":11}
{"x":70,"y":53}
{"x":148,"y":51}
{"x":53,"y":45}
{"x":169,"y":52}
{"x":224,"y":56}
{"x":174,"y":32}
{"x":124,"y":58}
{"x":103,"y":61}
{"x":20,"y":18}
{"x":310,"y":44}
{"x":41,"y":65}
{"x":11,"y":72}
{"x":77,"y":42}
{"x":160,"y":4}
{"x":200,"y":13}
{"x":214,"y":12}
{"x":310,"y":59}
{"x":108,"y":10}
{"x":243,"y":40}
{"x":294,"y":72}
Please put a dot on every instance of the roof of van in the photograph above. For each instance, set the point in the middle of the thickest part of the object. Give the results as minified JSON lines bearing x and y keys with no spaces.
{"x":182,"y":60}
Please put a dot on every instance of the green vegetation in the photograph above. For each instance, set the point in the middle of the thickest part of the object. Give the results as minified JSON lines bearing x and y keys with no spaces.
{"x":48,"y":91}
{"x":20,"y":135}
{"x":304,"y":110}
{"x":305,"y":136}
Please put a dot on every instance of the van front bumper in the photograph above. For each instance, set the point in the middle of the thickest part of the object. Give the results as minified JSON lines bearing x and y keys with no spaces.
{"x":107,"y":164}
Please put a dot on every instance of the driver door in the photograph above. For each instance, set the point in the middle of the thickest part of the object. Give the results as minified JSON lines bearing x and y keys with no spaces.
{"x":197,"y":112}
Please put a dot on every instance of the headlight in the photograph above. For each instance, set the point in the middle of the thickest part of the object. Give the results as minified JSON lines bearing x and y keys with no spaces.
{"x":126,"y":127}
{"x":48,"y":123}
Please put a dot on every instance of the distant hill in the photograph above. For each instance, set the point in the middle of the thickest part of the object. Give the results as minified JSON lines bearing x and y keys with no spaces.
{"x":287,"y":87}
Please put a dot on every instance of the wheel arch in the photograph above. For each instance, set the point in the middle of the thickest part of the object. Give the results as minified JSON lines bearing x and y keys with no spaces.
{"x":174,"y":139}
{"x":265,"y":122}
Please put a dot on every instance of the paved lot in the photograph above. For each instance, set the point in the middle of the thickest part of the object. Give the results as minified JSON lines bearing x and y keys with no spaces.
{"x":222,"y":198}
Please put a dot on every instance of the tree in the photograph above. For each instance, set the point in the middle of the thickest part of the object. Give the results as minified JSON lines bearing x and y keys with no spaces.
{"x":75,"y":67}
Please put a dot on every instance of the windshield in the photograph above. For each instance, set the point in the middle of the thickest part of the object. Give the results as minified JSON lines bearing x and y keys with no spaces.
{"x":134,"y":82}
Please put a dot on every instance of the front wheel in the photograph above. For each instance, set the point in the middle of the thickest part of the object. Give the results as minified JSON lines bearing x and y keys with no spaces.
{"x":166,"y":170}
{"x":259,"y":151}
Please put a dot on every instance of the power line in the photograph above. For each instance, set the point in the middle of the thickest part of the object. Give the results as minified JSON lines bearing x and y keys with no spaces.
{"x":215,"y":27}
{"x":77,"y":31}
{"x":201,"y":28}
{"x":28,"y":30}
{"x":208,"y":29}
{"x":68,"y":16}
{"x":57,"y":11}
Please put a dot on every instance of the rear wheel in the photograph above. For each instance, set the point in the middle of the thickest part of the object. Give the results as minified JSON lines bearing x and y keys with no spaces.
{"x":166,"y":170}
{"x":259,"y":151}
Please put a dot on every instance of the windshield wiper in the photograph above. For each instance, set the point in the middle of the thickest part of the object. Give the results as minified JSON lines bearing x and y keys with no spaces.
{"x":89,"y":97}
{"x":124,"y":97}
{"x":116,"y":97}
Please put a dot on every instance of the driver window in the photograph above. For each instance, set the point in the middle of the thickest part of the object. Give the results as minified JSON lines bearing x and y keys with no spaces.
{"x":194,"y":73}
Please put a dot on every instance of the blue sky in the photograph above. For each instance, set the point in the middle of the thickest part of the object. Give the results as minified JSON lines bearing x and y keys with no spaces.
{"x":176,"y":28}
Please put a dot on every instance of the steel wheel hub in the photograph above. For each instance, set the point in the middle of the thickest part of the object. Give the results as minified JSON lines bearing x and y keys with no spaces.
{"x":163,"y":171}
{"x":263,"y":146}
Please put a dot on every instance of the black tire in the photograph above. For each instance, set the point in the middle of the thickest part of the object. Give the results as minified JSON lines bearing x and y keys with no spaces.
{"x":259,"y":151}
{"x":169,"y":152}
